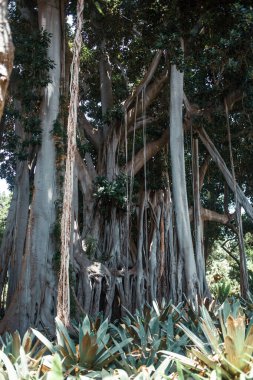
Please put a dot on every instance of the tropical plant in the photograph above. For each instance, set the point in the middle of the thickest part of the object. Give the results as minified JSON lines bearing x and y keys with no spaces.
{"x":95,"y":349}
{"x":227,"y":350}
{"x":144,"y":373}
{"x":20,"y":370}
{"x":4,"y":207}
{"x":25,"y":354}
{"x":222,"y":290}
{"x":150,"y":330}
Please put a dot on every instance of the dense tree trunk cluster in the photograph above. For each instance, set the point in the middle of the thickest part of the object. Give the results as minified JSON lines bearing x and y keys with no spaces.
{"x":116,"y":251}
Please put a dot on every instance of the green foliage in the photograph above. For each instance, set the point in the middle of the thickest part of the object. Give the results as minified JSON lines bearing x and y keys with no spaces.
{"x":60,"y":136}
{"x":22,"y":358}
{"x":90,"y":246}
{"x":150,"y":330}
{"x":221,"y":290}
{"x":111,"y":193}
{"x":223,"y":272}
{"x":227,"y":349}
{"x":113,"y":114}
{"x":5,"y":201}
{"x":29,"y":76}
{"x":143,"y":346}
{"x":95,"y":349}
{"x":147,"y":373}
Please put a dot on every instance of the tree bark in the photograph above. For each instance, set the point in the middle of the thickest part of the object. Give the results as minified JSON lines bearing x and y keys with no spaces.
{"x":6,"y":54}
{"x":225,"y":171}
{"x":63,"y":302}
{"x":244,"y":281}
{"x":179,"y":184}
{"x":34,"y":302}
{"x":198,"y":223}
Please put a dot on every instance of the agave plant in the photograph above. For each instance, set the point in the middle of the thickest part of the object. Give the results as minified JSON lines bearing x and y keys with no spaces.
{"x":20,"y":369}
{"x":143,"y":373}
{"x":227,"y":351}
{"x":95,"y":348}
{"x":24,"y":356}
{"x":150,"y":330}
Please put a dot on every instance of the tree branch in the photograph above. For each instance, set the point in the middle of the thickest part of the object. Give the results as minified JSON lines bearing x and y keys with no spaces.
{"x":91,"y":133}
{"x":230,"y":253}
{"x":151,"y":150}
{"x":105,"y":80}
{"x":149,"y":95}
{"x":243,"y":200}
{"x":139,"y":124}
{"x":83,"y":174}
{"x":145,"y":81}
{"x":234,"y":97}
{"x":212,"y":216}
{"x":203,"y":170}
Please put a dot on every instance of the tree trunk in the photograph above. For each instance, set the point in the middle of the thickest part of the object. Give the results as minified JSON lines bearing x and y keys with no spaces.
{"x":198,"y":222}
{"x":224,"y":170}
{"x":6,"y":54}
{"x":179,"y":184}
{"x":63,"y":304}
{"x":34,"y":302}
{"x":244,"y":281}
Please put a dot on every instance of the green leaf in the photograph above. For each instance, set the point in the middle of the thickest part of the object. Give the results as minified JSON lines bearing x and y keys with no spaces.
{"x":86,"y":325}
{"x":44,"y":340}
{"x":56,"y":372}
{"x":64,"y":335}
{"x":194,"y":338}
{"x":102,"y":330}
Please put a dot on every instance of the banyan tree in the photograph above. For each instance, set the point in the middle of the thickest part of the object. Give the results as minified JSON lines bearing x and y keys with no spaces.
{"x":117,"y":120}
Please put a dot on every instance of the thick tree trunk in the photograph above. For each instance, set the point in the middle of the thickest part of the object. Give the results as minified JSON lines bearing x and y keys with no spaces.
{"x":34,"y":302}
{"x":6,"y":54}
{"x":179,"y":184}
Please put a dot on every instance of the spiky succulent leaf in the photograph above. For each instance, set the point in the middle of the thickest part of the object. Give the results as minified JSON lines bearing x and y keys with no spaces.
{"x":236,"y":331}
{"x":44,"y":340}
{"x":248,"y":344}
{"x":64,"y":339}
{"x":9,"y":366}
{"x":198,"y":342}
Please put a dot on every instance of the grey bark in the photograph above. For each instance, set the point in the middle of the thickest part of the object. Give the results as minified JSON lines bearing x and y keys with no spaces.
{"x":179,"y":184}
{"x":34,"y":302}
{"x":244,"y":281}
{"x":225,"y":171}
{"x":6,"y":54}
{"x":105,"y":80}
{"x":63,"y":301}
{"x":198,"y":222}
